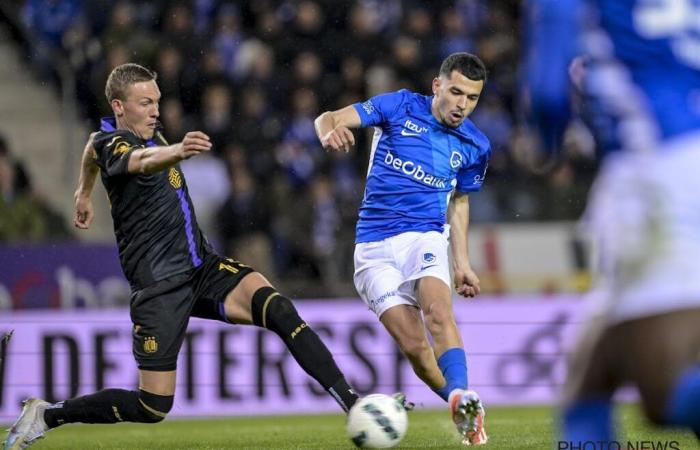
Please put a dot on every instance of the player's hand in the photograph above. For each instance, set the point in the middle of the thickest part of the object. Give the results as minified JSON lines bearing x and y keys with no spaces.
{"x":467,"y":283}
{"x":340,"y":138}
{"x":194,"y":143}
{"x":83,"y":212}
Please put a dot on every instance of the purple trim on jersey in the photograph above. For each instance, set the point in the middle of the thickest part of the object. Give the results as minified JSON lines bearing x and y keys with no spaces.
{"x":188,"y":227}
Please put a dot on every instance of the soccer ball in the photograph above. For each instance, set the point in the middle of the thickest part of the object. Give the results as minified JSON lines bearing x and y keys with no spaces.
{"x":377,"y":421}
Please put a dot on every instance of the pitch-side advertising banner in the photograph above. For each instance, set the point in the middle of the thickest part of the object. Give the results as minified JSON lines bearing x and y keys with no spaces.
{"x":515,"y":349}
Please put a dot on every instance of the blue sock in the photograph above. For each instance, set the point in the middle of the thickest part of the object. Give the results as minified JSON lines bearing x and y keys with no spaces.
{"x":684,"y":401}
{"x":453,"y":364}
{"x":588,"y":420}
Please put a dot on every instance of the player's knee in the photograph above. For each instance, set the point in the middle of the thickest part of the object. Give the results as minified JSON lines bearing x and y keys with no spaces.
{"x":275,"y":312}
{"x":438,"y":317}
{"x":416,"y":348}
{"x":153,"y":408}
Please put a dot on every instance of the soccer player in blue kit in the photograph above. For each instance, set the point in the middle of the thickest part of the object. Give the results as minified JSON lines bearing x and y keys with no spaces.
{"x":636,"y":67}
{"x":426,"y":158}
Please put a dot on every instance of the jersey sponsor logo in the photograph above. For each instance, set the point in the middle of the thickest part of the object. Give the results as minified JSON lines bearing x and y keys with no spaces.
{"x":456,"y":160}
{"x":175,"y":178}
{"x":415,"y":171}
{"x":368,"y":107}
{"x":411,"y":129}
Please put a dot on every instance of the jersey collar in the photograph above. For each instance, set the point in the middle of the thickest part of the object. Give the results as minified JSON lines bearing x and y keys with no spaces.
{"x":109,"y":125}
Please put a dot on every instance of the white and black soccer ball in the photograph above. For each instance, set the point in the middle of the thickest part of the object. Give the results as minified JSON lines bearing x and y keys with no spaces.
{"x":377,"y":421}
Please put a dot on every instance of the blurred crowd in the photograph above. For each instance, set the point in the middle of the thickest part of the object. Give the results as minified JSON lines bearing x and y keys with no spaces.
{"x":254,"y":75}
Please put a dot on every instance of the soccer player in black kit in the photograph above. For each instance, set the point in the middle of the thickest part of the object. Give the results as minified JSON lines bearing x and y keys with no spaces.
{"x":173,"y":272}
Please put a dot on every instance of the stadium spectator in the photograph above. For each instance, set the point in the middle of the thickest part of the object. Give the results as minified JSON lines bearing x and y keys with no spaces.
{"x":24,"y":215}
{"x":243,"y":220}
{"x":426,"y":157}
{"x":48,"y":21}
{"x":216,"y":116}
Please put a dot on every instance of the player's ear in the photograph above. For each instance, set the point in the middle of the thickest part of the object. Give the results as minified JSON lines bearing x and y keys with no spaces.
{"x":436,"y":85}
{"x":117,"y":107}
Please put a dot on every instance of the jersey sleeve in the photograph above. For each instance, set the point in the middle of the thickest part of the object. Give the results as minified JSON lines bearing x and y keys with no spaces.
{"x":113,"y":152}
{"x":472,"y":177}
{"x":380,"y":108}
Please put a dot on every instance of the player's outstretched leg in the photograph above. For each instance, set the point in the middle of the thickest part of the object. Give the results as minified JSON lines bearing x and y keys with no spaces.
{"x":29,"y":427}
{"x":105,"y":406}
{"x":468,"y":414}
{"x":277,"y":313}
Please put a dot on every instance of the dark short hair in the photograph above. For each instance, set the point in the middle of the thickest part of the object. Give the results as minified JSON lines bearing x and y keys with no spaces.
{"x":124,"y":76}
{"x":465,"y":63}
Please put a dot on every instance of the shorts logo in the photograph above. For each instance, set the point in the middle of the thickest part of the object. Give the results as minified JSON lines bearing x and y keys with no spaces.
{"x":368,"y":107}
{"x":150,"y":345}
{"x":175,"y":178}
{"x":373,"y":303}
{"x":455,"y":160}
{"x":429,"y":258}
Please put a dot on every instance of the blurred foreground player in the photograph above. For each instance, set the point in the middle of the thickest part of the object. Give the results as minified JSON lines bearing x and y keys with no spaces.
{"x":173,"y":272}
{"x":638,"y":80}
{"x":426,"y":158}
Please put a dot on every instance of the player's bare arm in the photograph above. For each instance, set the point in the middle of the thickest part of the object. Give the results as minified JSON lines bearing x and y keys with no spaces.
{"x":465,"y":280}
{"x":333,"y":128}
{"x":154,"y":159}
{"x":86,"y":182}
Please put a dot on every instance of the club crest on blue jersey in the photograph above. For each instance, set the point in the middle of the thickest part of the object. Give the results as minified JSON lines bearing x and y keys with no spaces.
{"x":455,"y":160}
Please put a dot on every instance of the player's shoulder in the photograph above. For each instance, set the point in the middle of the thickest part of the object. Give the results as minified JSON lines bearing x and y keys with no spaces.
{"x":118,"y":140}
{"x":473,"y":133}
{"x":108,"y":136}
{"x":409,"y":102}
{"x":411,"y":97}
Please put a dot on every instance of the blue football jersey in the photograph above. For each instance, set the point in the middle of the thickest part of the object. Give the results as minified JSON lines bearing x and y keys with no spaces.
{"x":415,"y":164}
{"x":641,"y":77}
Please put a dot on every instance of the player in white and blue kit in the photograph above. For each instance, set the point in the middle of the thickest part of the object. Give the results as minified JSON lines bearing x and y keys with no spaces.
{"x":426,"y":158}
{"x":636,"y":67}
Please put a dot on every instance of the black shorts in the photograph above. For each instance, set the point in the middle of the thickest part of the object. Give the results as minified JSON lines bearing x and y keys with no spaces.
{"x":160,"y":312}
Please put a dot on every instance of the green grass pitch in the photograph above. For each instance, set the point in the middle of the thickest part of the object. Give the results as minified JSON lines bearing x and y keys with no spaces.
{"x":508,"y":429}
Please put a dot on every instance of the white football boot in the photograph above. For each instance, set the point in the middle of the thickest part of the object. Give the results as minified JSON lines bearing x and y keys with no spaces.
{"x":468,"y":415}
{"x":29,"y":427}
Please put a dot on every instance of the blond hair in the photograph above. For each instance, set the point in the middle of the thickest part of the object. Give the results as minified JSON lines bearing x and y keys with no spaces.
{"x":124,"y":76}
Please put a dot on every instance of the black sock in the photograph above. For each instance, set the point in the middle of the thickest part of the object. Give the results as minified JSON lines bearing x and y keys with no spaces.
{"x":109,"y":406}
{"x":306,"y":347}
{"x":343,"y":394}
